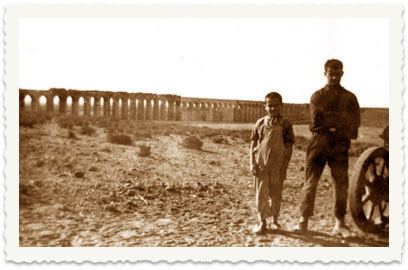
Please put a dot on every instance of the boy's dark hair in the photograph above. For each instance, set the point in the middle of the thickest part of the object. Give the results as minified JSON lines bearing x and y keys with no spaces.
{"x":274,"y":95}
{"x":333,"y":64}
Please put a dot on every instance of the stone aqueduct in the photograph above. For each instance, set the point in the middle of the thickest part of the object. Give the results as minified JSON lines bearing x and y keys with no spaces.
{"x":143,"y":106}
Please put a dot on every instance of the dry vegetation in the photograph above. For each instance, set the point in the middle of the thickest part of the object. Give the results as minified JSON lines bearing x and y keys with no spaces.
{"x":99,"y":182}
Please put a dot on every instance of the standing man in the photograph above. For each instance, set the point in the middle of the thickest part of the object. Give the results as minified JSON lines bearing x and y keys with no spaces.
{"x":335,"y":119}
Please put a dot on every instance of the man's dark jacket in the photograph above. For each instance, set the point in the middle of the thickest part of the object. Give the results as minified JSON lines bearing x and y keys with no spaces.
{"x":335,"y":107}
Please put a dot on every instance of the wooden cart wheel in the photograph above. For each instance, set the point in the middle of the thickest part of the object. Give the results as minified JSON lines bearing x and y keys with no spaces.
{"x":369,"y":190}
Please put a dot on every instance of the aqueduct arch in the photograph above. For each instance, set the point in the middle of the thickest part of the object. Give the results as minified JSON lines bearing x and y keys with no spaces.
{"x":146,"y":106}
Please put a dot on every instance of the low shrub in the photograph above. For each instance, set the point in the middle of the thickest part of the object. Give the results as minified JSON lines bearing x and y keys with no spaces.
{"x":192,"y":142}
{"x":242,"y":134}
{"x":144,"y":150}
{"x":29,"y":119}
{"x":120,"y":138}
{"x":87,"y":130}
{"x":102,"y":123}
{"x":166,"y":132}
{"x":220,"y":140}
{"x":71,"y":135}
{"x":69,"y":122}
{"x":110,"y":130}
{"x":143,"y":134}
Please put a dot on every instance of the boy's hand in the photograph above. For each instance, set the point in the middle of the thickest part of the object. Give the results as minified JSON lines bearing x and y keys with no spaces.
{"x":254,"y":169}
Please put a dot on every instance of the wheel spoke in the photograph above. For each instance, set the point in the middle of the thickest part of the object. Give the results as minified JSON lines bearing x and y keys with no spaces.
{"x":384,"y":207}
{"x":380,"y":164}
{"x":383,"y":169}
{"x":373,"y":165}
{"x":370,"y":174}
{"x":370,"y":215}
{"x":381,"y":211}
{"x":366,"y":198}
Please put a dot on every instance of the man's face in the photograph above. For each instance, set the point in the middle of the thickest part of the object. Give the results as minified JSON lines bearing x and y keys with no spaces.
{"x":273,"y":107}
{"x":333,"y":76}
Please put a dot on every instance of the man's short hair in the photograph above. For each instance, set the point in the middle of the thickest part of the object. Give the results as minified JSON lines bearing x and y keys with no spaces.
{"x":333,"y":64}
{"x":274,"y":95}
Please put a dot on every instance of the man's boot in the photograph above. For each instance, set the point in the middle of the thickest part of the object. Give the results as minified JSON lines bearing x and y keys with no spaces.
{"x":301,"y":227}
{"x":341,"y":229}
{"x":275,"y":224}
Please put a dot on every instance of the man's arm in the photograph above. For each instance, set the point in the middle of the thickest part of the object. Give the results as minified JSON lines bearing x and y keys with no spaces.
{"x":355,"y":118}
{"x":289,"y":140}
{"x":317,"y":114}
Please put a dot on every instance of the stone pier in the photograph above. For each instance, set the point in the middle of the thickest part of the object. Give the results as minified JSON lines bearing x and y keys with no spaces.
{"x":146,"y":106}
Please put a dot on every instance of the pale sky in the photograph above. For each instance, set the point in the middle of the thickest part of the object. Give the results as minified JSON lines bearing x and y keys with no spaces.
{"x":206,"y":57}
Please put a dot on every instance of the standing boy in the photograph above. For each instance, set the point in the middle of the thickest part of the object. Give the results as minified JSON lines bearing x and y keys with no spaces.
{"x":335,"y":119}
{"x":271,"y":149}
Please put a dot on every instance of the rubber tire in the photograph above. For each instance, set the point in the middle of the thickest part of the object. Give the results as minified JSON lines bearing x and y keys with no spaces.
{"x":355,"y":204}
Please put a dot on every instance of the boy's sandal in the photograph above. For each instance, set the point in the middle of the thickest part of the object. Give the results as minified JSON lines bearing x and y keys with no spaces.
{"x":260,"y":229}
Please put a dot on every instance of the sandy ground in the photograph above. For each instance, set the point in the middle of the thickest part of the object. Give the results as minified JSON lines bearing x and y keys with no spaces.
{"x":89,"y":192}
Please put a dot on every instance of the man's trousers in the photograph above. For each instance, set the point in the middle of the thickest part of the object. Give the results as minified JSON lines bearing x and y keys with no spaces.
{"x":334,"y":151}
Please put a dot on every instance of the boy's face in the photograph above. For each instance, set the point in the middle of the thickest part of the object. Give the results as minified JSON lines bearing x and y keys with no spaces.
{"x":273,"y":107}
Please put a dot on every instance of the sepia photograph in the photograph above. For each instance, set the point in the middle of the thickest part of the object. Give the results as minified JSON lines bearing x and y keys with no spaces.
{"x":206,"y":126}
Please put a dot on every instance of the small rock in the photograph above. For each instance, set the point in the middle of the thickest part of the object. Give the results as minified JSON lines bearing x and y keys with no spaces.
{"x":128,"y":234}
{"x":239,"y":221}
{"x":79,"y":175}
{"x":36,"y":226}
{"x":48,"y":235}
{"x":164,"y":221}
{"x":131,"y":193}
{"x":111,"y":207}
{"x":93,"y":169}
{"x":301,"y":168}
{"x":103,"y":200}
{"x":214,"y":163}
{"x":107,"y":150}
{"x":131,"y":204}
{"x":69,"y":166}
{"x":40,"y":163}
{"x":37,"y":183}
{"x":98,"y":185}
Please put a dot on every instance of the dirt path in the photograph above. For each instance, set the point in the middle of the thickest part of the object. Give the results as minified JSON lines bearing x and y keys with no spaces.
{"x":89,"y":192}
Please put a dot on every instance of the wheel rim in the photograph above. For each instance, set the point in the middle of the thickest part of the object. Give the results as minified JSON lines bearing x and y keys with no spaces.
{"x":370,"y":185}
{"x":375,"y":200}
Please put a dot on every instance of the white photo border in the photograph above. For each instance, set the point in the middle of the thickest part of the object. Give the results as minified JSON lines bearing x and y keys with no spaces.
{"x":15,"y":253}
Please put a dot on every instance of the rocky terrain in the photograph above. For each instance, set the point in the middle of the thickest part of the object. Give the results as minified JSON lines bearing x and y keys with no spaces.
{"x":116,"y":183}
